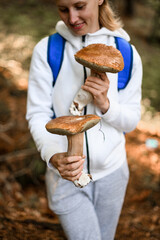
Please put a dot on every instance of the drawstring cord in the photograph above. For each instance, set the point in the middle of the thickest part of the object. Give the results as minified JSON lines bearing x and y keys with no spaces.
{"x":85,"y":112}
{"x":100,"y":129}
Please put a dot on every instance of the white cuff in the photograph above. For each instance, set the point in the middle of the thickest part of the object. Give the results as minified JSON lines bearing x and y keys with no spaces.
{"x":48,"y":152}
{"x":112,"y":113}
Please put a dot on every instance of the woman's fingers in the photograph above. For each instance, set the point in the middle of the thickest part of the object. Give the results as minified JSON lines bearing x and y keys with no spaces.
{"x":93,"y":83}
{"x":98,"y":87}
{"x":97,"y":81}
{"x":94,"y":88}
{"x":73,"y":178}
{"x":69,"y":167}
{"x":72,"y":175}
{"x":99,"y":75}
{"x":72,"y":159}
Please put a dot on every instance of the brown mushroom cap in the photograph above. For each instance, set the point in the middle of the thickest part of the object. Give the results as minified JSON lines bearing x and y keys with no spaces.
{"x":70,"y":125}
{"x":101,"y":58}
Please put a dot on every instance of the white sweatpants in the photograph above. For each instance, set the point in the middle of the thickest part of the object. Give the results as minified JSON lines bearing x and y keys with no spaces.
{"x":90,"y":213}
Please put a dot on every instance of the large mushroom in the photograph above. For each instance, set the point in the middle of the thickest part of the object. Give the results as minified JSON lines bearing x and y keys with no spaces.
{"x":99,"y":58}
{"x":74,"y":127}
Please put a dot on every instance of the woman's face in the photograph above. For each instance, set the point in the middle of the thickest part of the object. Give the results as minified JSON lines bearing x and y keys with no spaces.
{"x":80,"y":16}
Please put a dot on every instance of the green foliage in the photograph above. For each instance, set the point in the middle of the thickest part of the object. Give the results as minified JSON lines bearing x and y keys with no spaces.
{"x":33,"y":17}
{"x":151,"y":83}
{"x":155,"y":33}
{"x":154,"y":3}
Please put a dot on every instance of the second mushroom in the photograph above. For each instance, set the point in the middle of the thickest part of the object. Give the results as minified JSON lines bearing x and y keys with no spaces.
{"x":74,"y":127}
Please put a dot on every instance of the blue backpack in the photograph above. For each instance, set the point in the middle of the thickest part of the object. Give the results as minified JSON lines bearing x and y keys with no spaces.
{"x":56,"y":44}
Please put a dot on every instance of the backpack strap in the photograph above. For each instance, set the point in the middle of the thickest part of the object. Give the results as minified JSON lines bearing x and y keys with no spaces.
{"x":55,"y":52}
{"x":127,"y":52}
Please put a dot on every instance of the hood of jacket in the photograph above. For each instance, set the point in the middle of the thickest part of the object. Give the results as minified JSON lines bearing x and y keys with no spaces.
{"x":64,"y":31}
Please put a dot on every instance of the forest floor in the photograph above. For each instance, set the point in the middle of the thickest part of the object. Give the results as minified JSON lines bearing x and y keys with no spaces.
{"x":24,"y":213}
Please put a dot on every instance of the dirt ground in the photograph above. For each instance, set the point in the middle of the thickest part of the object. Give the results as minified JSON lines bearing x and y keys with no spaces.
{"x":24,"y":213}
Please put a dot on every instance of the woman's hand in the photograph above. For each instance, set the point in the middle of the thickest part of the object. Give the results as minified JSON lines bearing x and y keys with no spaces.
{"x":98,"y":86}
{"x":69,"y":167}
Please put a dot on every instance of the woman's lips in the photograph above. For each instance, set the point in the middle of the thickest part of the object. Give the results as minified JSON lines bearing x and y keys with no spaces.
{"x":77,"y":26}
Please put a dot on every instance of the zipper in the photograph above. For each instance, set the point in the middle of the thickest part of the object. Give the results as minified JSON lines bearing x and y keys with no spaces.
{"x":85,"y":112}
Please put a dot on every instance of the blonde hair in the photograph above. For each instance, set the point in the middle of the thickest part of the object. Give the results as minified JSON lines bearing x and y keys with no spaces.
{"x":107,"y":17}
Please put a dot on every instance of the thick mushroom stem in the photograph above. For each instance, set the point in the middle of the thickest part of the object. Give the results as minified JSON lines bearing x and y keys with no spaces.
{"x":75,"y":148}
{"x":81,"y":99}
{"x":75,"y":144}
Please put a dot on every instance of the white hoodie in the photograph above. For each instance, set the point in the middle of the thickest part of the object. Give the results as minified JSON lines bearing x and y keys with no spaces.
{"x":106,"y":140}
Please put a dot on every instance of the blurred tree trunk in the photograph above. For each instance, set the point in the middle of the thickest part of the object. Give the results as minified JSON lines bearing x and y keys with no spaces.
{"x":125,"y":7}
{"x":129,"y":8}
{"x":155,"y":33}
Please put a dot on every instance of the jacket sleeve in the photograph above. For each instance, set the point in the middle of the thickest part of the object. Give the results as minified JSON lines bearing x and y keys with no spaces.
{"x":125,"y":113}
{"x":39,"y":103}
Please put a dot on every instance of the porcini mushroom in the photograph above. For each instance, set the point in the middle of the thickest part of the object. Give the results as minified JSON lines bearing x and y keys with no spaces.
{"x":74,"y":127}
{"x":99,"y":58}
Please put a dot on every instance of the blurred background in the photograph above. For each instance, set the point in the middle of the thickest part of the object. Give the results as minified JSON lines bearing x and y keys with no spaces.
{"x":22,"y":187}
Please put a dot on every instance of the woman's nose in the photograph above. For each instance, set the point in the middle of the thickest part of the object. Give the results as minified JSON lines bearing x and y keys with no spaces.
{"x":73,"y":16}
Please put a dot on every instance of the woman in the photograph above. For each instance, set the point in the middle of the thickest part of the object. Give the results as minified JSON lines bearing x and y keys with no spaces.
{"x":91,"y":212}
